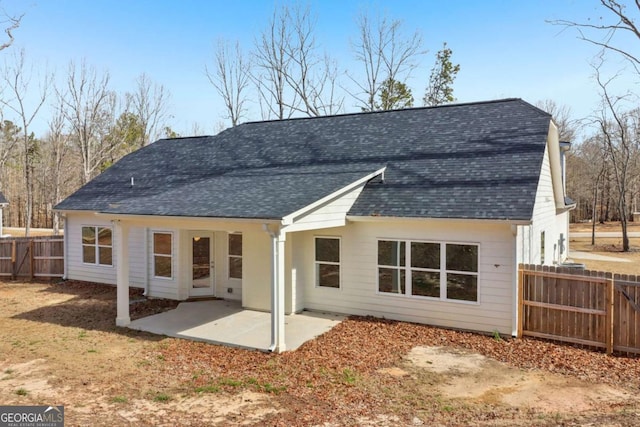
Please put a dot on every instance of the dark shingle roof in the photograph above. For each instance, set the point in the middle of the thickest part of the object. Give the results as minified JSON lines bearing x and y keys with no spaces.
{"x":479,"y":160}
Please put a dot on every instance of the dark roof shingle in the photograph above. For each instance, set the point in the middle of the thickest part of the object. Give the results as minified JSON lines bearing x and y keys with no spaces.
{"x":479,"y":160}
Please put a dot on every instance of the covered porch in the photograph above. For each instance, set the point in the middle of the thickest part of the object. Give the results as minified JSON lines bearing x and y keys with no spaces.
{"x":227,"y":323}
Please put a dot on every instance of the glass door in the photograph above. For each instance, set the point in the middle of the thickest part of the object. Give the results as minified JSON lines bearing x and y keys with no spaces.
{"x":202,"y":264}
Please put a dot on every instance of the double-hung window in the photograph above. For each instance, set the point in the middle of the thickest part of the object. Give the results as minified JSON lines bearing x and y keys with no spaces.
{"x":235,"y":256}
{"x":447,"y":271}
{"x":163,"y":255}
{"x":97,"y":245}
{"x":327,"y":262}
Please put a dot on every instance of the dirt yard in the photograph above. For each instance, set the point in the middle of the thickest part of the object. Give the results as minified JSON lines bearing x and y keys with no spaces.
{"x":607,"y":246}
{"x":59,"y":345}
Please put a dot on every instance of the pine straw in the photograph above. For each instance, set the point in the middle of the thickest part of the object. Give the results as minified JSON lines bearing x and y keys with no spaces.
{"x":336,"y":378}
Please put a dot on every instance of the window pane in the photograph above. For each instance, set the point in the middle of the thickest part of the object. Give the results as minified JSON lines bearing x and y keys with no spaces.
{"x":162,"y":266}
{"x":89,"y":254}
{"x":162,"y":243}
{"x":391,"y":280}
{"x":328,"y":275}
{"x":425,"y":255}
{"x":105,"y":255}
{"x":391,"y":253}
{"x":104,"y":236}
{"x":328,"y":250}
{"x":462,"y":287}
{"x":235,"y":267}
{"x":88,"y":235}
{"x":462,"y":258}
{"x":425,"y":283}
{"x":235,"y":244}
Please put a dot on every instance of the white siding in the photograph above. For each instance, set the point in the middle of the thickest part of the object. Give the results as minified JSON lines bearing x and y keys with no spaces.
{"x":256,"y":271}
{"x":544,"y":219}
{"x":77,"y":270}
{"x":358,"y":294}
{"x":330,"y":214}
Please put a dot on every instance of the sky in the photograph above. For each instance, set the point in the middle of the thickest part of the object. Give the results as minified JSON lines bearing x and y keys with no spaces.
{"x":505,"y":48}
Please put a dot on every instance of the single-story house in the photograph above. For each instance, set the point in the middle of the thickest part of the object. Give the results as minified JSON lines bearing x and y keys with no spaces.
{"x":419,"y":215}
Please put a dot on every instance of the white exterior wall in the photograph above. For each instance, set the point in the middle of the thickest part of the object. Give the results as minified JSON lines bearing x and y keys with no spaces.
{"x":77,"y":270}
{"x":544,"y":219}
{"x":256,"y":271}
{"x":329,"y":214}
{"x":359,"y":270}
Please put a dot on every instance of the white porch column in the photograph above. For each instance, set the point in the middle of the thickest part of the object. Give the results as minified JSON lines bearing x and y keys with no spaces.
{"x":278,"y":240}
{"x":280,"y":296}
{"x":122,"y":278}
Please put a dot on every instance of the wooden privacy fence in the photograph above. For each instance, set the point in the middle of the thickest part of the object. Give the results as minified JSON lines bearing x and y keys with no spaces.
{"x":586,"y":307}
{"x":32,"y":257}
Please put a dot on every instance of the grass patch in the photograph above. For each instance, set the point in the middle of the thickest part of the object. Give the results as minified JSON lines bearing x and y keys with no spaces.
{"x":229,"y":382}
{"x":208,"y":389}
{"x":22,"y":392}
{"x":269,"y":388}
{"x":9,"y":371}
{"x":119,"y":399}
{"x":82,"y":334}
{"x":92,"y":350}
{"x":349,"y":376}
{"x":162,"y":397}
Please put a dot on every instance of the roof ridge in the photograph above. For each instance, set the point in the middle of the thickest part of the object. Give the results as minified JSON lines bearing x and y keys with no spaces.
{"x":361,"y":113}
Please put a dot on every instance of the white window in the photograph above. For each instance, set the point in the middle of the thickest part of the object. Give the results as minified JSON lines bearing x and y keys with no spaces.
{"x":447,"y":271}
{"x":97,"y":245}
{"x":542,"y":247}
{"x":327,"y":260}
{"x":235,"y":256}
{"x":162,"y":255}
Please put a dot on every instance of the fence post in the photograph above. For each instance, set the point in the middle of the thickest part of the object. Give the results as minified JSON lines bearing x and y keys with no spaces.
{"x":31,"y":261}
{"x":520,"y":300}
{"x":609,"y":315}
{"x":13,"y":259}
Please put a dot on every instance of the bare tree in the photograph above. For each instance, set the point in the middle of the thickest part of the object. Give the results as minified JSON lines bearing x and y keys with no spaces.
{"x":10,"y":23}
{"x":311,"y":76}
{"x":18,"y":81}
{"x":149,"y":103}
{"x":620,"y":130}
{"x":271,"y":62}
{"x":567,"y":126}
{"x":89,"y":108}
{"x":386,"y":54}
{"x":230,"y":77}
{"x":58,"y":141}
{"x":291,"y":74}
{"x":618,"y":20}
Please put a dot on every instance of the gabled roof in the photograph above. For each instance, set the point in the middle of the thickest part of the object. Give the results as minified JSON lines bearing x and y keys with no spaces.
{"x":477,"y":160}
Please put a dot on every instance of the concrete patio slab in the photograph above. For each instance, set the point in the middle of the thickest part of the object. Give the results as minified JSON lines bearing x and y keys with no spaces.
{"x":227,"y":323}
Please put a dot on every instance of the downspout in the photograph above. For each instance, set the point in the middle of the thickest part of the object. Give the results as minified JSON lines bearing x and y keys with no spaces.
{"x":515,"y":310}
{"x":146,"y":261}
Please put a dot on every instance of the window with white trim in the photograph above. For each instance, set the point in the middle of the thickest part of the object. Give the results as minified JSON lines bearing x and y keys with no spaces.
{"x":327,"y":262}
{"x":235,"y":256}
{"x":97,"y":245}
{"x":447,"y":271}
{"x":162,"y":254}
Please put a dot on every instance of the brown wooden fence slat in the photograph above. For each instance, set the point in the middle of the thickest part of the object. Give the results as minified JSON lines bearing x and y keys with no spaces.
{"x":32,"y":257}
{"x":590,"y":308}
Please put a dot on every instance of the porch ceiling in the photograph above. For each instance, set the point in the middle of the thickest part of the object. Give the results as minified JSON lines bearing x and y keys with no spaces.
{"x":227,"y":323}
